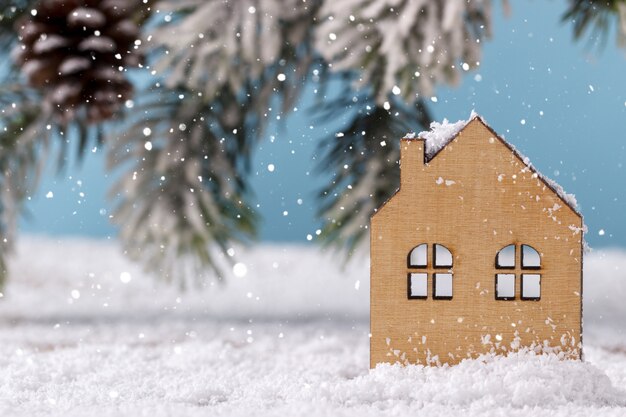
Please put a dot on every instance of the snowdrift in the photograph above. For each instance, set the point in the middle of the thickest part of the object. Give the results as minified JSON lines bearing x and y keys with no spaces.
{"x":83,"y":332}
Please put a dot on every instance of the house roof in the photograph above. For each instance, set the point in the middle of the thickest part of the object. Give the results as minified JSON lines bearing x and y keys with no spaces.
{"x":440,"y":134}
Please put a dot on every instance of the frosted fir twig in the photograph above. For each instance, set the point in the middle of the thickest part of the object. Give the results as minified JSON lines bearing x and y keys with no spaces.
{"x":403,"y":47}
{"x":184,"y":192}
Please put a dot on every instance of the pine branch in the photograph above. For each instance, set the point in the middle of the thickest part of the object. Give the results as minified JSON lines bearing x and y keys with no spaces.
{"x":213,"y":45}
{"x":364,"y":159}
{"x":407,"y":47}
{"x":27,"y":126}
{"x":229,"y":92}
{"x":26,"y":131}
{"x":185,"y":192}
{"x":596,"y":17}
{"x":24,"y":136}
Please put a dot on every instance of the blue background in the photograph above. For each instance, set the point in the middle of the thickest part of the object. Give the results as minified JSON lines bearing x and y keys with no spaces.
{"x":563,"y":104}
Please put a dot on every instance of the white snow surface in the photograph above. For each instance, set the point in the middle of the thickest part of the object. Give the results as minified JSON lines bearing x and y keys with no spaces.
{"x":83,"y":332}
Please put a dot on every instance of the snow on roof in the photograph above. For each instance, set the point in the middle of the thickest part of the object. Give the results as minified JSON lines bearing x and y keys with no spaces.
{"x":440,"y":134}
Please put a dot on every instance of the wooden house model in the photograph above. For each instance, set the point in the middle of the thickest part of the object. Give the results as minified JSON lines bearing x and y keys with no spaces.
{"x":477,"y":252}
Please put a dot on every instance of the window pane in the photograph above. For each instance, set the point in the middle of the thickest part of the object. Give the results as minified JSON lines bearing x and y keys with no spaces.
{"x":506,"y":257}
{"x":418,"y":285}
{"x":531,"y":286}
{"x":443,"y":285}
{"x":443,"y":257}
{"x":418,"y":256}
{"x":530,"y":257}
{"x":505,"y":286}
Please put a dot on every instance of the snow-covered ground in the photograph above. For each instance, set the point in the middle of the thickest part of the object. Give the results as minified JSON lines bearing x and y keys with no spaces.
{"x":83,"y":332}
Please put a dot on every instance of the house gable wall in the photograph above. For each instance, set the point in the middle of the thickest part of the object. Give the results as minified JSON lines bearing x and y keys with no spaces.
{"x":475,"y":197}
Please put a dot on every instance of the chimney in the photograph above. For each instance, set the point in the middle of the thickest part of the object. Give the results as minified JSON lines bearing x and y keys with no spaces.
{"x":411,"y":159}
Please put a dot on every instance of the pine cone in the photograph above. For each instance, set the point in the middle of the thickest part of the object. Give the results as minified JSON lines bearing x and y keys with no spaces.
{"x":76,"y":51}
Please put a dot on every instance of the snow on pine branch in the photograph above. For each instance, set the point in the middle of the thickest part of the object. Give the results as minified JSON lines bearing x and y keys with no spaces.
{"x":403,"y":47}
{"x":212,"y":44}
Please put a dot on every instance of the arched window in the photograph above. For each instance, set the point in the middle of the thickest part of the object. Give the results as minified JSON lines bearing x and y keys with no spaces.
{"x":520,"y":260}
{"x":420,"y":269}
